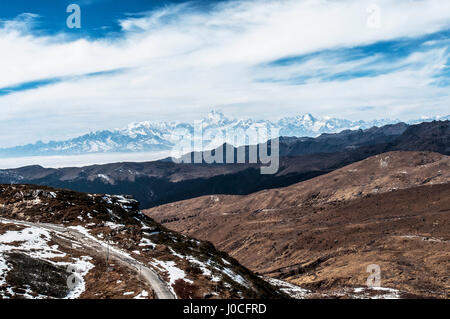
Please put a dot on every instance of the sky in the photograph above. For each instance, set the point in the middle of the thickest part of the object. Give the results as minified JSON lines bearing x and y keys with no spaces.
{"x":139,"y":60}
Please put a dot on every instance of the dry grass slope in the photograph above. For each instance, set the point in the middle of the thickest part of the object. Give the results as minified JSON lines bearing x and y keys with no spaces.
{"x":391,"y":209}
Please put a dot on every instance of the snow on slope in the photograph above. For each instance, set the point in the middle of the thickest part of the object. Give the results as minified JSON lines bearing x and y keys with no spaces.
{"x":108,"y":225}
{"x":36,"y":242}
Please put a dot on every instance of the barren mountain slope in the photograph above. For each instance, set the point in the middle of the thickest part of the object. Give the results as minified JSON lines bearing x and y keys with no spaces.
{"x":390,"y":209}
{"x":116,"y":251}
{"x":377,"y":174}
{"x":160,"y":182}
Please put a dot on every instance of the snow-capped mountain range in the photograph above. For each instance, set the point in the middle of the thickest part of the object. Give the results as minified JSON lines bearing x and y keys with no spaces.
{"x":163,"y":136}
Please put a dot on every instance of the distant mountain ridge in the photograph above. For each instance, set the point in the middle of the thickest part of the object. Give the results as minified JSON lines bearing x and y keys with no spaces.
{"x":164,"y":181}
{"x":162,"y":136}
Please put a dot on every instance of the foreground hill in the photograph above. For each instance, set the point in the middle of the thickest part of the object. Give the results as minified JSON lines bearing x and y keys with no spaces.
{"x":391,"y":209}
{"x":62,"y":244}
{"x":160,"y":182}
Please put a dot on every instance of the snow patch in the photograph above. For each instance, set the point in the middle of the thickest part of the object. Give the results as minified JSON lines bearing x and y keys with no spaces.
{"x":292,"y":290}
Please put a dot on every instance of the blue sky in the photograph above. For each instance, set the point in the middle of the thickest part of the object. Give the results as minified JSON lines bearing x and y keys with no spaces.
{"x":99,"y":16}
{"x":176,"y":60}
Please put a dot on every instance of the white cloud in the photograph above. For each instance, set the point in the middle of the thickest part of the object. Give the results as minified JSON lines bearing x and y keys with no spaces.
{"x":182,"y":66}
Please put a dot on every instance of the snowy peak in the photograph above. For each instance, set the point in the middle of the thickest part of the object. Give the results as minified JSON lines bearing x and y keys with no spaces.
{"x":216,"y":117}
{"x":307,"y":118}
{"x":150,"y":136}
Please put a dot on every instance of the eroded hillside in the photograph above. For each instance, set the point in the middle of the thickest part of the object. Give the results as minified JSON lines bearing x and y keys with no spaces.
{"x":114,"y":250}
{"x":391,"y":210}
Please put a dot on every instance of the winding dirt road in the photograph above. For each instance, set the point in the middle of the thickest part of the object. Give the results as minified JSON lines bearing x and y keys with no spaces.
{"x":159,"y":286}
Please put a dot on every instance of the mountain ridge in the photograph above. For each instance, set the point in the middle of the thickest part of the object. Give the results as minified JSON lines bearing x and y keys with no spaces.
{"x":147,"y":136}
{"x":160,"y":182}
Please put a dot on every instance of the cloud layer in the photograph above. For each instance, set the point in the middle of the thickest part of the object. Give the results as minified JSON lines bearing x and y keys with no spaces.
{"x":264,"y":59}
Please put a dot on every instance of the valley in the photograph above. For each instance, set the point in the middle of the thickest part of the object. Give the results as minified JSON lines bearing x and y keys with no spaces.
{"x":338,"y":204}
{"x":390,"y":210}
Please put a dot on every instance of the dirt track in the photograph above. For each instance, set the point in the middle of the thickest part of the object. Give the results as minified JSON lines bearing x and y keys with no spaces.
{"x":158,"y":285}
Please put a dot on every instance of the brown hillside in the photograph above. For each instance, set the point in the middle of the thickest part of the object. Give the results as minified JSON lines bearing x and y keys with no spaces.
{"x":43,"y":231}
{"x":391,"y":210}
